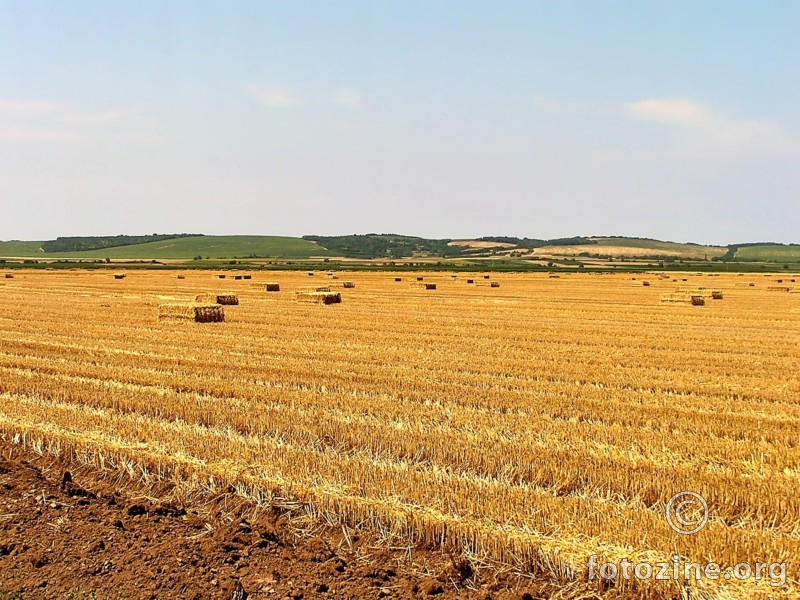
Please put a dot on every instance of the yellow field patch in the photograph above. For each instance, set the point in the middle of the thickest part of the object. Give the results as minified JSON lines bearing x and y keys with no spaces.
{"x":534,"y":424}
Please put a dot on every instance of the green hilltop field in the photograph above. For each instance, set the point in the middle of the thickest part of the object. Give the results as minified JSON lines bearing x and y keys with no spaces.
{"x":769,"y":252}
{"x":186,"y":248}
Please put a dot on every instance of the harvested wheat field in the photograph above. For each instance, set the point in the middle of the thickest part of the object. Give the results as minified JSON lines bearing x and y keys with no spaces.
{"x":513,"y":432}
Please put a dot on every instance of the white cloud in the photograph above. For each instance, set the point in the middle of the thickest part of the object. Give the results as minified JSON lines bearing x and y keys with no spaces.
{"x":704,"y":131}
{"x":677,"y":112}
{"x":347,"y":98}
{"x":97,"y":118}
{"x":35,"y":134}
{"x":38,"y":121}
{"x":276,"y":96}
{"x":30,"y":107}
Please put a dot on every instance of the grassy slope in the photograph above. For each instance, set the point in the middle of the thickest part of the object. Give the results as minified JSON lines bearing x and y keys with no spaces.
{"x":770,"y":252}
{"x":689,"y":249}
{"x":184,"y":248}
{"x":20,"y":248}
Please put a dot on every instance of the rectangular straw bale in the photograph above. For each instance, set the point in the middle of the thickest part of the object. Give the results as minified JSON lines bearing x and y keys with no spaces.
{"x":694,"y":299}
{"x":224,"y":299}
{"x":199,"y":313}
{"x":319,"y":297}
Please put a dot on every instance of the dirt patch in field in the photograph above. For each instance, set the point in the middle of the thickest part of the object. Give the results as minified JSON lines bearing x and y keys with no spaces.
{"x":81,"y":534}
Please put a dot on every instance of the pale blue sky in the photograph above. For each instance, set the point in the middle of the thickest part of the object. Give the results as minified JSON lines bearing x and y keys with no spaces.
{"x":675,"y":120}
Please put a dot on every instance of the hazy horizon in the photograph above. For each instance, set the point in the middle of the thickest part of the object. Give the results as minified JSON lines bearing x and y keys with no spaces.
{"x":676,"y":121}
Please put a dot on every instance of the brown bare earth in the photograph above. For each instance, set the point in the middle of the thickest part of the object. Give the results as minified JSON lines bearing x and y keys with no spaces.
{"x":75,"y":533}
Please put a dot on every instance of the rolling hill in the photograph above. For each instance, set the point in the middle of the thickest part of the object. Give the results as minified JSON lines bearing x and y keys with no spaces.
{"x":635,"y":248}
{"x":769,"y":252}
{"x":207,"y":246}
{"x":372,"y":246}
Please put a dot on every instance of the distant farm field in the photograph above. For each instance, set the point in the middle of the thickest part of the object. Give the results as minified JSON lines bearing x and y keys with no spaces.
{"x":770,"y":252}
{"x":208,"y":246}
{"x":635,"y":248}
{"x":530,"y":425}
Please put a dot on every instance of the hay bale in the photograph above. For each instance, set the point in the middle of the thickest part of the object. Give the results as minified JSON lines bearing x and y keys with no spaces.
{"x":9,"y":276}
{"x":398,"y":279}
{"x":646,"y":283}
{"x":237,"y":277}
{"x":420,"y":278}
{"x":778,"y":288}
{"x":348,"y":284}
{"x":310,"y":273}
{"x":181,"y":276}
{"x":693,"y":299}
{"x":220,"y":276}
{"x":554,"y":276}
{"x":247,"y":276}
{"x":484,"y":283}
{"x":453,"y":277}
{"x":199,"y":313}
{"x":224,"y":299}
{"x":319,"y":297}
{"x":423,"y":286}
{"x":470,"y":281}
{"x":272,"y":287}
{"x":119,"y":275}
{"x":700,"y":291}
{"x":486,"y":277}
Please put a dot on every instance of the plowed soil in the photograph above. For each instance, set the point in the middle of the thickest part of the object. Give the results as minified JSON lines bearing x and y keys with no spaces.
{"x":75,"y":533}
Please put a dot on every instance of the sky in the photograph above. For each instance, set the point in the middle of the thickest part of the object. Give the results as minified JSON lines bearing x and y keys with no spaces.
{"x":672,"y":120}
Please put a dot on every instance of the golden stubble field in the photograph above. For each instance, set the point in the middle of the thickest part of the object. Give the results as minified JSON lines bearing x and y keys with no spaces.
{"x":530,"y":425}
